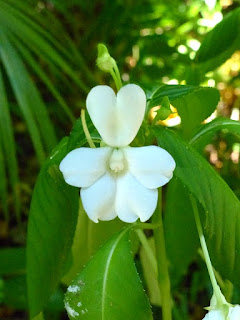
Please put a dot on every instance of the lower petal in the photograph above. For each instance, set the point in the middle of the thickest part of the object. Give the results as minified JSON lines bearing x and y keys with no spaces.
{"x":133,"y":200}
{"x":98,"y":199}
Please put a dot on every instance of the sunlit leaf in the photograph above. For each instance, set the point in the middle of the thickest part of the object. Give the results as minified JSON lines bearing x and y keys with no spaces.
{"x":220,"y":43}
{"x":194,"y":104}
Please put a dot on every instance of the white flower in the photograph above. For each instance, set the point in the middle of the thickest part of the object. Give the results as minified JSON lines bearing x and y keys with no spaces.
{"x":118,"y":180}
{"x":220,"y":309}
{"x":227,"y":313}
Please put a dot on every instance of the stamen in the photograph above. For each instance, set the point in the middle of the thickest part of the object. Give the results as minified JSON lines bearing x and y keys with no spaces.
{"x":116,"y":161}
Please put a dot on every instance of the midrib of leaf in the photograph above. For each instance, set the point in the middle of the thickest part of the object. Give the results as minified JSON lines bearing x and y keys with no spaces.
{"x":104,"y":289}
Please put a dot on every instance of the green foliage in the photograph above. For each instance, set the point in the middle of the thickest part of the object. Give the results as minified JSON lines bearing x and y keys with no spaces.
{"x":221,"y":206}
{"x":181,"y":234}
{"x":203,"y":136}
{"x":44,"y":79}
{"x":52,"y":222}
{"x":109,"y":286}
{"x":220,"y":43}
{"x":194,"y":104}
{"x":12,"y":260}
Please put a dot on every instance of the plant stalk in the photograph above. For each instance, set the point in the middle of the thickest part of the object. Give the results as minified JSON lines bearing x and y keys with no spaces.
{"x":85,"y":129}
{"x":216,"y":289}
{"x":162,"y":262}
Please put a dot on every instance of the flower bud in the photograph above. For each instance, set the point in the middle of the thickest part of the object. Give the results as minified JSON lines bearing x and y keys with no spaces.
{"x":104,"y":61}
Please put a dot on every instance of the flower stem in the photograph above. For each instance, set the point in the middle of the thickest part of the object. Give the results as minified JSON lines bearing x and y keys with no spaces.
{"x":116,"y":76}
{"x":215,"y":286}
{"x":163,"y":274}
{"x":85,"y":129}
{"x":147,"y":248}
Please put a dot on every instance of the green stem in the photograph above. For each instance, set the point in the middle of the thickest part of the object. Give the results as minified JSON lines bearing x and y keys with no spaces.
{"x":163,"y":274}
{"x":215,"y":286}
{"x":119,"y":80}
{"x":85,"y":129}
{"x":114,"y":76}
{"x":147,"y":248}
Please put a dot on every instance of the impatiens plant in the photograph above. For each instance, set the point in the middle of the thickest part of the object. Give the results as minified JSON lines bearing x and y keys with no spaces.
{"x":120,"y":156}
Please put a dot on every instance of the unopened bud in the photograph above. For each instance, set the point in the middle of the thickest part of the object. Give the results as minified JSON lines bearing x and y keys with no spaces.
{"x":104,"y":61}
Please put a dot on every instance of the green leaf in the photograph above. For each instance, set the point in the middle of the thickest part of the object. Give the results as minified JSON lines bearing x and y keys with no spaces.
{"x":173,"y":92}
{"x":42,"y":75}
{"x":15,"y":292}
{"x":89,"y":236}
{"x":208,"y":130}
{"x":221,"y":206}
{"x":9,"y":150}
{"x":220,"y":43}
{"x":181,"y":237}
{"x":150,"y":275}
{"x":3,"y":183}
{"x":109,"y":286}
{"x":34,"y":36}
{"x":194,"y":104}
{"x":52,"y":222}
{"x":12,"y":261}
{"x":28,"y":97}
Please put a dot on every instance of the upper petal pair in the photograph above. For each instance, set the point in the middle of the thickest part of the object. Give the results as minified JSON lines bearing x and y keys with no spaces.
{"x":117,"y":118}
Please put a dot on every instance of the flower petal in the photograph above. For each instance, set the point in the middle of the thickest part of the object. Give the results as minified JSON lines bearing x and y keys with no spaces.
{"x":214,"y":315}
{"x":98,"y":199}
{"x":133,"y":200}
{"x":235,"y":313}
{"x":117,"y":118}
{"x":83,"y":166}
{"x":151,"y":165}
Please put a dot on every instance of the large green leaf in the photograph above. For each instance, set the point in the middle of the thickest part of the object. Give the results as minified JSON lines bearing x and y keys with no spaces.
{"x":222,"y":208}
{"x":109,"y":286}
{"x":220,"y":43}
{"x":208,"y":130}
{"x":194,"y":104}
{"x":52,"y":222}
{"x":181,"y":234}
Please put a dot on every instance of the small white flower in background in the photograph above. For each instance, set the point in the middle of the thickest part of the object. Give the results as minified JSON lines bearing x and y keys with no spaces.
{"x":222,"y":311}
{"x":219,"y":314}
{"x":118,"y":180}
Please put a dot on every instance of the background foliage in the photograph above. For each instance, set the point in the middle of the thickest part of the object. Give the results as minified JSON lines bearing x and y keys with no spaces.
{"x":47,"y":55}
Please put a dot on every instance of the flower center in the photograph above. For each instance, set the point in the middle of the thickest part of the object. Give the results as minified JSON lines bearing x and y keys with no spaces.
{"x":116,"y":161}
